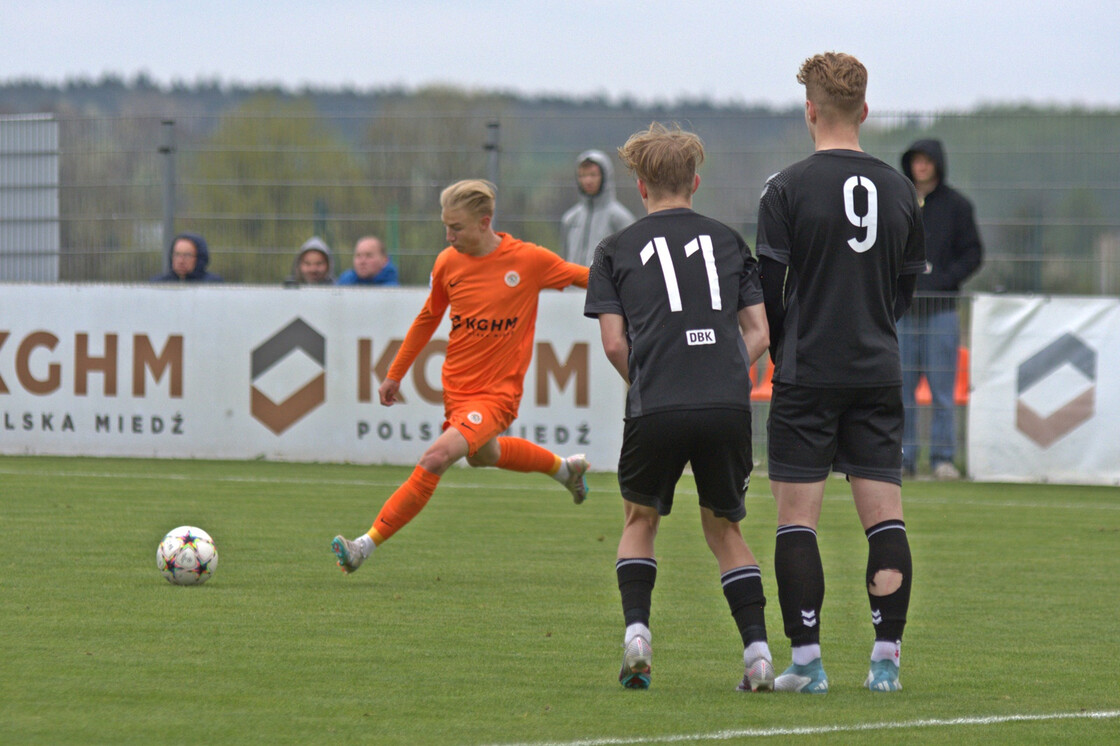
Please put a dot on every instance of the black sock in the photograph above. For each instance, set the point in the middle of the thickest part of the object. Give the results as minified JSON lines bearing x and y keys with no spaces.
{"x":888,"y":549}
{"x":742,"y":587}
{"x":800,"y":576}
{"x":636,"y":577}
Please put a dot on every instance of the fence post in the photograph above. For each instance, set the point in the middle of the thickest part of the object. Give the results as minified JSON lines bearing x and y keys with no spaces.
{"x":167,"y":149}
{"x":491,"y":147}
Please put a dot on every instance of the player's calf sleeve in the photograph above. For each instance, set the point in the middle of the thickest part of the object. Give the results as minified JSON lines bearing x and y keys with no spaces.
{"x":742,"y":587}
{"x":403,"y":505}
{"x":888,"y":558}
{"x":518,"y":454}
{"x":636,"y":577}
{"x":800,"y":576}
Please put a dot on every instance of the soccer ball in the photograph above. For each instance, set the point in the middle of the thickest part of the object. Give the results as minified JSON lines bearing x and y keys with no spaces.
{"x":187,"y":556}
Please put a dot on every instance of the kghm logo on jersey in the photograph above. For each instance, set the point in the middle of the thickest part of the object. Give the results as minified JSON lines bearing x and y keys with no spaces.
{"x":700,"y":337}
{"x":488,"y":326}
{"x":513,"y":279}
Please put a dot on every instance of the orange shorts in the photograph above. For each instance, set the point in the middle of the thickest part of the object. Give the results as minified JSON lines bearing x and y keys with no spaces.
{"x":479,"y":421}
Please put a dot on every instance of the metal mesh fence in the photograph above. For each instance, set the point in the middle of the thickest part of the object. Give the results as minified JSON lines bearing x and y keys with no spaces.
{"x":259,"y":181}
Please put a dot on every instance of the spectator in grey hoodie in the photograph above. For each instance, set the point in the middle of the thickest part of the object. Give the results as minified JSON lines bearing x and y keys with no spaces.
{"x":597,"y":214}
{"x":312,"y":266}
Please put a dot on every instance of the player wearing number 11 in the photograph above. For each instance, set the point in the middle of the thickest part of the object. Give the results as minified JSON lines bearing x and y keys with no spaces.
{"x":680,"y":313}
{"x":840,"y":243}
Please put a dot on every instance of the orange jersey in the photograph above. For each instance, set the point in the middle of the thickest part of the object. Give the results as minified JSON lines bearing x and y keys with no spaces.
{"x":493,"y":302}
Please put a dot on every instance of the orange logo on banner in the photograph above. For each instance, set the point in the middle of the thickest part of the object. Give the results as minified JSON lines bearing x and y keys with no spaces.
{"x":279,"y":416}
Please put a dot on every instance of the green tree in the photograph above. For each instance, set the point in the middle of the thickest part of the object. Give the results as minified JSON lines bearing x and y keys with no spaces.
{"x":272,"y":174}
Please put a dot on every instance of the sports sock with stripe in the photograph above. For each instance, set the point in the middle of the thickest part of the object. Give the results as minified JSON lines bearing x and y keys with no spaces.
{"x":742,"y":587}
{"x":888,"y":549}
{"x":800,"y":576}
{"x":636,"y":578}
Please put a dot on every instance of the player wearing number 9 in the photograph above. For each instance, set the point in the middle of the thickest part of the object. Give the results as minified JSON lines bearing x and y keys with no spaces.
{"x":840,"y":244}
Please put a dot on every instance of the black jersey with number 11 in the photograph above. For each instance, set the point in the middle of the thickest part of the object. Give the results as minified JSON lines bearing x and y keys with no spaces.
{"x":679,"y":279}
{"x":847,"y":225}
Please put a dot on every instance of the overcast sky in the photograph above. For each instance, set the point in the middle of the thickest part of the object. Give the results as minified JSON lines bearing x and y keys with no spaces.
{"x":922,"y":56}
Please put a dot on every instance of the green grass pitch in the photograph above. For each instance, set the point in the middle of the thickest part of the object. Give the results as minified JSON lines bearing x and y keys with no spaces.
{"x":494,"y":617}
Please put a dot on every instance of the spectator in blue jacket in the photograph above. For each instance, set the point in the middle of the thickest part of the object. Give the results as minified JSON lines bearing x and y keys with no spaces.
{"x":372,"y":265}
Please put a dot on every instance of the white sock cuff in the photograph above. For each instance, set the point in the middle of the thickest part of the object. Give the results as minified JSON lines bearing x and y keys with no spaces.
{"x":803,"y":655}
{"x":365,"y":545}
{"x":634,"y":630}
{"x":756,"y":650}
{"x":886,"y":650}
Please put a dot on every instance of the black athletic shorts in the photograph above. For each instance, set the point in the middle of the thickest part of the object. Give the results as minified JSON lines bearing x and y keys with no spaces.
{"x":854,"y":431}
{"x":717,"y":442}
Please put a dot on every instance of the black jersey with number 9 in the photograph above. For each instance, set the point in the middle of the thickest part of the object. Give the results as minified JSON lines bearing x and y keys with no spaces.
{"x":679,"y":280}
{"x":847,"y":225}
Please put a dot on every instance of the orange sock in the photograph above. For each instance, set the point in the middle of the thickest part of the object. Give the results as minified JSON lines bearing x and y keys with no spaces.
{"x":518,"y":454}
{"x":403,"y":505}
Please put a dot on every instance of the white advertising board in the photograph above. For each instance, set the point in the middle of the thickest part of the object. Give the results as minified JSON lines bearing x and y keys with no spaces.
{"x":233,"y":372}
{"x":1045,"y":404}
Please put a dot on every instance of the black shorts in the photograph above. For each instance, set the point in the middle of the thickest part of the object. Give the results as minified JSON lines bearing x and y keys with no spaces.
{"x":855,"y":431}
{"x":656,"y":448}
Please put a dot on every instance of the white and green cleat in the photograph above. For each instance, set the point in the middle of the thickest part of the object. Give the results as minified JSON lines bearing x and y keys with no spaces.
{"x":883,"y":677}
{"x":636,"y":659}
{"x":807,"y":679}
{"x":349,"y":554}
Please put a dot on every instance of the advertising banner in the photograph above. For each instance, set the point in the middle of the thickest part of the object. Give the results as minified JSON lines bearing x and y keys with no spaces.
{"x":1046,"y":389}
{"x":229,"y":372}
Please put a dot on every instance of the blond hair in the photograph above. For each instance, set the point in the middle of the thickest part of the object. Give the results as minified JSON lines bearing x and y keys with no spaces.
{"x":665,"y":159}
{"x":836,"y":83}
{"x":476,"y":196}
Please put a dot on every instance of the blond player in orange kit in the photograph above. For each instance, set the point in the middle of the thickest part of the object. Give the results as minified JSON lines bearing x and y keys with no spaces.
{"x":492,"y":282}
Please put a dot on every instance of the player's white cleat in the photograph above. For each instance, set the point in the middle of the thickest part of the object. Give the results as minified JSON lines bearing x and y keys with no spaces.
{"x":636,"y":659}
{"x":349,"y":554}
{"x":759,"y":676}
{"x":945,"y":470}
{"x":576,"y":483}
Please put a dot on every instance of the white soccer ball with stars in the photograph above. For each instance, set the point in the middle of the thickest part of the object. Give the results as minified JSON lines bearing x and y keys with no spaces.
{"x":187,"y":556}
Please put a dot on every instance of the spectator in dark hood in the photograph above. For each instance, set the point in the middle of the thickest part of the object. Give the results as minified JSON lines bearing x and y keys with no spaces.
{"x":188,"y":257}
{"x":312,"y":265}
{"x":597,"y":214}
{"x":929,"y":334}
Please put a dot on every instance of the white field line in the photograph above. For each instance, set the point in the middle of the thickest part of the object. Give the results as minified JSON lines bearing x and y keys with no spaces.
{"x":511,"y":485}
{"x":726,"y":735}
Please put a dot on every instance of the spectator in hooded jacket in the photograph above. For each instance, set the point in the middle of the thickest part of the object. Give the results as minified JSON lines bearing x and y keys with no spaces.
{"x":597,"y":214}
{"x":313,"y":265}
{"x":929,"y":334}
{"x":188,"y":257}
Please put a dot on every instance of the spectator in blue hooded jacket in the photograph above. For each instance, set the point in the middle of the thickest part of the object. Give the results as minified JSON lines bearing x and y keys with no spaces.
{"x":189,"y":256}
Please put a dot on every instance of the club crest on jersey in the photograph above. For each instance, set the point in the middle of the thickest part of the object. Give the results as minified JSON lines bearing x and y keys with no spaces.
{"x":475,"y":418}
{"x":513,"y":279}
{"x":700,"y":337}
